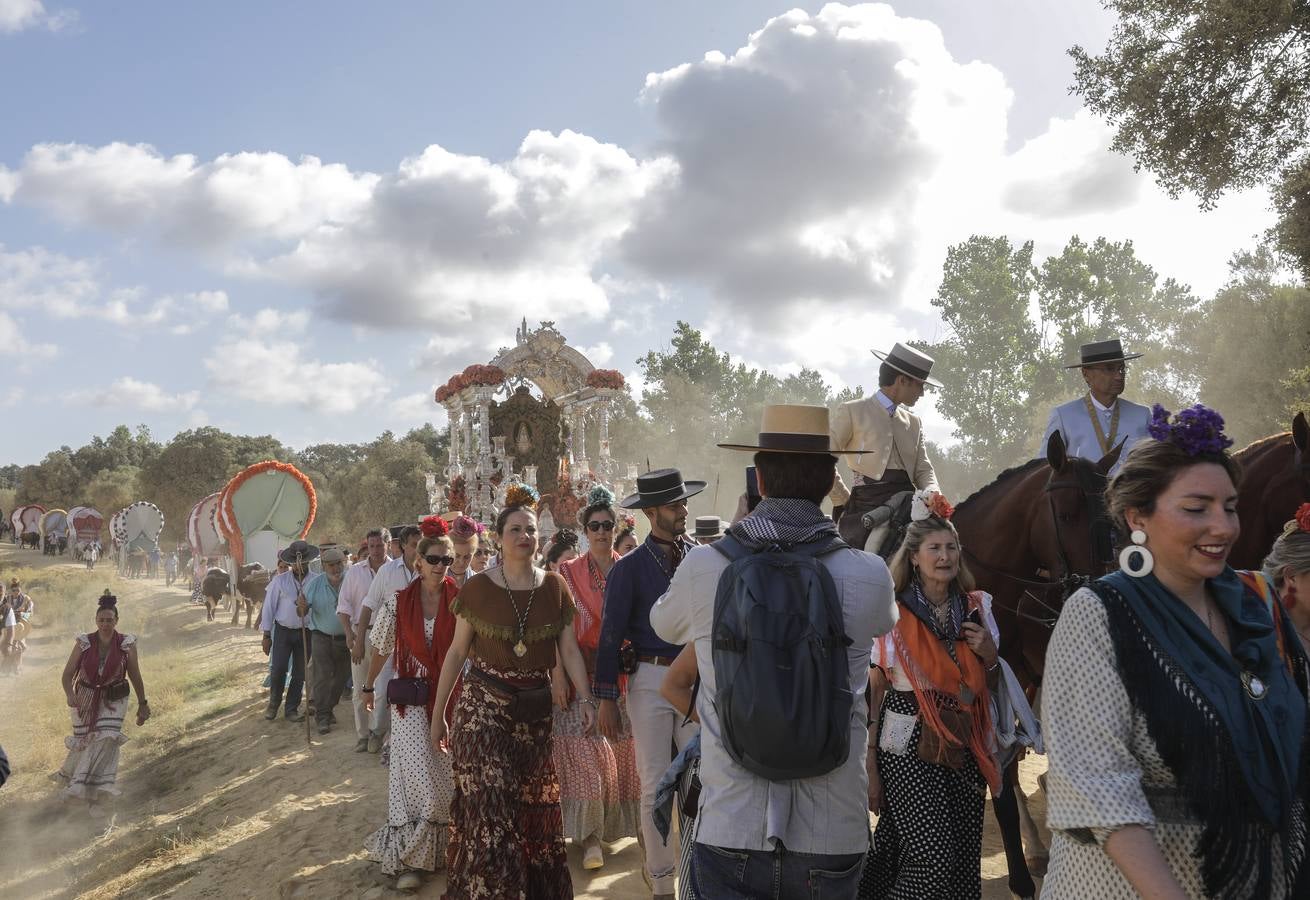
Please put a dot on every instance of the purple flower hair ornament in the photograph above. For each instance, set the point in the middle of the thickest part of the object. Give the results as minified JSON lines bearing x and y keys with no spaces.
{"x":1197,"y":431}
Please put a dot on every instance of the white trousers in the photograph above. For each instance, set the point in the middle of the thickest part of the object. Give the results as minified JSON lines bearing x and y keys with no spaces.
{"x":358,"y":674}
{"x":660,"y":734}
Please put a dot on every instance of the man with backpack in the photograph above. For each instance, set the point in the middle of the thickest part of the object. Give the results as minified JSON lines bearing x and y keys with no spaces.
{"x":783,"y":615}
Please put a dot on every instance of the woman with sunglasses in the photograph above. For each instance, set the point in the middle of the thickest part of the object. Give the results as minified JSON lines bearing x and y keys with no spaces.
{"x":417,"y":625}
{"x":599,"y":789}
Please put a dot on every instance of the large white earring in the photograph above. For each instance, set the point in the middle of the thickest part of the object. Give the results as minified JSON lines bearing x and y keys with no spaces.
{"x":1136,"y":560}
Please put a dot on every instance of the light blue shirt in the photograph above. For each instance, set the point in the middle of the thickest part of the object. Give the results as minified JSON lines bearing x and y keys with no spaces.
{"x":280,"y":603}
{"x":886,"y":402}
{"x":1079,"y":434}
{"x":323,"y":599}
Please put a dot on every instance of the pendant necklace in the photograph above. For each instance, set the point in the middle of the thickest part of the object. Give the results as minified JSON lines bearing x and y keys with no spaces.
{"x":521,"y":648}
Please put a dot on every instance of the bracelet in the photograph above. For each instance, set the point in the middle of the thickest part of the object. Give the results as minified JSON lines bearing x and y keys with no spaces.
{"x":590,"y":702}
{"x":366,"y":690}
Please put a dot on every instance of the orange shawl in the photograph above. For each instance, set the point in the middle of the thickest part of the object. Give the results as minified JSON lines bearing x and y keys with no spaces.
{"x":929,"y":668}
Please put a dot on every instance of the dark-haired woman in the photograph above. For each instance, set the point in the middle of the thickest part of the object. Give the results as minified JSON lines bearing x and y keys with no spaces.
{"x":562,"y":548}
{"x":506,"y":837}
{"x":625,"y":540}
{"x":599,"y":789}
{"x":416,"y":624}
{"x":95,"y":681}
{"x":1175,"y":726}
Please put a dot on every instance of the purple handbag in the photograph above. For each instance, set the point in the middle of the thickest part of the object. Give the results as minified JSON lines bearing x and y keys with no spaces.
{"x":408,"y":691}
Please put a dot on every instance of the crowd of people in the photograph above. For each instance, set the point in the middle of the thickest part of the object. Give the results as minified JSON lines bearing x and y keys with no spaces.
{"x":741,"y":699}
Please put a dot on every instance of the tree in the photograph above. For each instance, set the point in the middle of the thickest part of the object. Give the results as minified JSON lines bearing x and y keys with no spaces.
{"x":990,"y":361}
{"x":387,"y":486}
{"x":1291,"y":234}
{"x":1098,"y":290}
{"x":1257,"y":331}
{"x":109,"y":490}
{"x":1209,"y":95}
{"x":53,"y":482}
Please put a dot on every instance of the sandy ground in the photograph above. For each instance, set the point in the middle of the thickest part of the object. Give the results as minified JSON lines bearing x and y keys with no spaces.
{"x":225,"y":804}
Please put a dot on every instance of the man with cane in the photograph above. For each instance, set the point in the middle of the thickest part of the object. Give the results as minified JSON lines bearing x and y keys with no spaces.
{"x":289,"y":645}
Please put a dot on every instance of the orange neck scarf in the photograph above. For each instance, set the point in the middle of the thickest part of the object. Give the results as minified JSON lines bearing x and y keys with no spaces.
{"x":930,"y":670}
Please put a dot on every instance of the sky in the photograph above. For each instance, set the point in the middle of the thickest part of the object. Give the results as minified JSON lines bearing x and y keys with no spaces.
{"x":298,"y":219}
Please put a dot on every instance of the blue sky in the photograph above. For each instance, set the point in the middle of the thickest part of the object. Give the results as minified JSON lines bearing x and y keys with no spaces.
{"x":300,"y":218}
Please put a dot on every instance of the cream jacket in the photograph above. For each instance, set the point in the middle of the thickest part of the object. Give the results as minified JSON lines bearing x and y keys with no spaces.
{"x":894,"y":441}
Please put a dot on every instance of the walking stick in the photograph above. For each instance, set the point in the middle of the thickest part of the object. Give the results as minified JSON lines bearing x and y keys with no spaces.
{"x":304,"y":660}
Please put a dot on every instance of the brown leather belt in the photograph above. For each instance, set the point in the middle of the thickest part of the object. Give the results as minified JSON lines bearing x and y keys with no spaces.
{"x":656,"y":660}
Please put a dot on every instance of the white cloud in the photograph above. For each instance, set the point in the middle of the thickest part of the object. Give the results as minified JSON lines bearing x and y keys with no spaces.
{"x":274,"y":373}
{"x":599,"y":355}
{"x":413,"y":410}
{"x":64,"y":287}
{"x":19,"y":348}
{"x":16,"y":15}
{"x":132,"y":393}
{"x":271,"y":323}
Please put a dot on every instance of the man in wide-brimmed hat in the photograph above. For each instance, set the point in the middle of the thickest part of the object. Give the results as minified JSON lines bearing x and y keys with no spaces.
{"x":891,"y":455}
{"x":285,"y":644}
{"x":708,"y":529}
{"x":634,"y":584}
{"x":1098,"y":421}
{"x":794,"y":827}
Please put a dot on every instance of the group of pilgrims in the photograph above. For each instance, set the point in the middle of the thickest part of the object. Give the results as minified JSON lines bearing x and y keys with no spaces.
{"x":528,"y":697}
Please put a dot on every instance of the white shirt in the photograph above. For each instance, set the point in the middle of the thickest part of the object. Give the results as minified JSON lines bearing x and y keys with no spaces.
{"x":393,"y":576}
{"x":354,"y":587}
{"x":280,"y":602}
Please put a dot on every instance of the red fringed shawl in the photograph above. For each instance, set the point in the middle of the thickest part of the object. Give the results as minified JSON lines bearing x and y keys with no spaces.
{"x":413,"y":659}
{"x":88,"y":705}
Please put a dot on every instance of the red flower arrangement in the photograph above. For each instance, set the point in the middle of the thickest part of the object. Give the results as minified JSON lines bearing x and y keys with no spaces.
{"x":433,"y":526}
{"x":940,"y":507}
{"x":605,"y":378}
{"x":1303,"y":517}
{"x":486,"y":375}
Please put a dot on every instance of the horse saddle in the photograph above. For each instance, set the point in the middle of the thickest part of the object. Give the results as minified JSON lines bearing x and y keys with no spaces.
{"x":887,"y":524}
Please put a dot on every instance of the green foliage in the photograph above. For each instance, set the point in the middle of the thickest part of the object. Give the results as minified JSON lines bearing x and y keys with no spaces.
{"x":1256,"y":343}
{"x":52,"y":482}
{"x":386,"y":486}
{"x":1209,"y":95}
{"x":1003,"y":369}
{"x":1291,"y":196}
{"x":109,"y":490}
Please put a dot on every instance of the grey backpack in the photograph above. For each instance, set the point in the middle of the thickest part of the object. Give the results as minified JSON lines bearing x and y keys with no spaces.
{"x":782,"y":680}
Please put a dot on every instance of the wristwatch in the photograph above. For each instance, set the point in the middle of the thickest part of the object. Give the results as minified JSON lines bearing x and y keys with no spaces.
{"x":367,"y":690}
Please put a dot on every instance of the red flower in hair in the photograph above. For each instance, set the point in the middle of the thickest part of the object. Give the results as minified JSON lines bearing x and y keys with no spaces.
{"x":1303,"y":517}
{"x":434,"y":526}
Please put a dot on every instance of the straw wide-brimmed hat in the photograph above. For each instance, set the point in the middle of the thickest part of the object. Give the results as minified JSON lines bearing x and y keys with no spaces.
{"x":793,"y":428}
{"x":1098,"y":352}
{"x":909,"y":361}
{"x":661,"y":487}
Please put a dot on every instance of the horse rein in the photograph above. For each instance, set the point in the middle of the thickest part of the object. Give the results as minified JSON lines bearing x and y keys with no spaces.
{"x":1100,"y":548}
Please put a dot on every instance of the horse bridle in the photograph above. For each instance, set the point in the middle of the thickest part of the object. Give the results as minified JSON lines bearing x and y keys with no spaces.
{"x":1092,"y":486}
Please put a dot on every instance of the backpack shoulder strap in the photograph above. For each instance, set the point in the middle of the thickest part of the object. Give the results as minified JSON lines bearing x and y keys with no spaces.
{"x":731,"y":548}
{"x":820,"y":548}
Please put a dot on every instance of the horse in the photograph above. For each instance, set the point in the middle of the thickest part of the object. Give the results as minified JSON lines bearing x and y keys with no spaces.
{"x":1275,"y":481}
{"x":1031,"y":538}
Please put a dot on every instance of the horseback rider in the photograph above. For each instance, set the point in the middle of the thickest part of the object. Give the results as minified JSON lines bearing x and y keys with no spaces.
{"x":894,"y":461}
{"x":1096,"y":422}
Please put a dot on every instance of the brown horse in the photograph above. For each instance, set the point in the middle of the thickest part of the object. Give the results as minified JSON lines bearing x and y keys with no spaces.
{"x":1031,"y":538}
{"x":1275,"y":481}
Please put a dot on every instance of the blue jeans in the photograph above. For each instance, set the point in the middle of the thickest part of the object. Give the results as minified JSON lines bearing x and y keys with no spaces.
{"x":725,"y":874}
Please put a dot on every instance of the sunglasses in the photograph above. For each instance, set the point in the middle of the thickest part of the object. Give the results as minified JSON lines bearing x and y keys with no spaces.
{"x":605,"y":525}
{"x":439,"y":560}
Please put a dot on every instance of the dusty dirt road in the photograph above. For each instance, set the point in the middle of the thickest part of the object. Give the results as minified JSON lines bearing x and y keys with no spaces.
{"x":218,"y":802}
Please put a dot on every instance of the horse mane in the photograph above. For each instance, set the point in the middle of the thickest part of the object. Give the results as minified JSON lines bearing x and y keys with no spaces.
{"x":1021,"y":469}
{"x":1260,"y":443}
